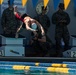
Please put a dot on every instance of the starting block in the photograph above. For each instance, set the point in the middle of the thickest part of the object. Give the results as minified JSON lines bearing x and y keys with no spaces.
{"x":13,"y":51}
{"x":70,"y":53}
{"x":12,"y":46}
{"x":12,"y":41}
{"x":74,"y":41}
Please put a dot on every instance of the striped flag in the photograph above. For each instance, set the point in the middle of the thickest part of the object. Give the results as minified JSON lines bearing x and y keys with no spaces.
{"x":45,"y":2}
{"x":66,"y":3}
{"x":24,"y":2}
{"x":1,"y":1}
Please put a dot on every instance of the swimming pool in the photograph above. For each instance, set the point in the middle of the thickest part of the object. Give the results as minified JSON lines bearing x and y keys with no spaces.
{"x":15,"y":72}
{"x":33,"y":68}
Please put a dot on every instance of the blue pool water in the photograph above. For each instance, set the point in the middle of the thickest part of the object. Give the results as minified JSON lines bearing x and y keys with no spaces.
{"x":7,"y":68}
{"x":16,"y":72}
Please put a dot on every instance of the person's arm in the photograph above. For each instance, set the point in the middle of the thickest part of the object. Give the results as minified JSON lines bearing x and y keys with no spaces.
{"x":16,"y":36}
{"x":28,"y":26}
{"x":67,"y":19}
{"x":19,"y":28}
{"x":41,"y":28}
{"x":54,"y":19}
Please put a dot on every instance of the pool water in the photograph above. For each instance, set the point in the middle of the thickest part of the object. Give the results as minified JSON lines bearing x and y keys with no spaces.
{"x":32,"y":68}
{"x":21,"y":72}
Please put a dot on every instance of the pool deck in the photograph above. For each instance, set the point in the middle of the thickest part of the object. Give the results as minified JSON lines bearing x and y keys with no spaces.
{"x":37,"y":59}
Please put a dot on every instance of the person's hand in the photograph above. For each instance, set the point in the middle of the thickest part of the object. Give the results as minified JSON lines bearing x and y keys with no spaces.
{"x":16,"y":36}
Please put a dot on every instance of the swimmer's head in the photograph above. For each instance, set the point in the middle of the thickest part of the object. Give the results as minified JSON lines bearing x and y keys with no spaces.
{"x":34,"y":26}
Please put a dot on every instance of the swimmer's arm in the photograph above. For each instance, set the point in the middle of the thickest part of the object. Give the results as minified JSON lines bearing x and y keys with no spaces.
{"x":16,"y":36}
{"x":28,"y":27}
{"x":40,"y":26}
{"x":19,"y":28}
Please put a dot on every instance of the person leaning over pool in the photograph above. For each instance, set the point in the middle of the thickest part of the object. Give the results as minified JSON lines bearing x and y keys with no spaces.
{"x":27,"y":21}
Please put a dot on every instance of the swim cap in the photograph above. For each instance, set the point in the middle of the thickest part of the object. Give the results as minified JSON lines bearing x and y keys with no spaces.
{"x":34,"y":26}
